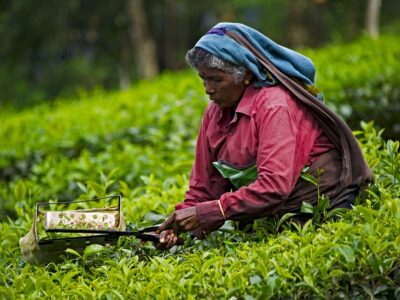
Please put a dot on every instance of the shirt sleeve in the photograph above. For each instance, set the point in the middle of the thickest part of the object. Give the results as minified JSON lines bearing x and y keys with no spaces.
{"x":278,"y":154}
{"x":205,"y":182}
{"x":276,"y":161}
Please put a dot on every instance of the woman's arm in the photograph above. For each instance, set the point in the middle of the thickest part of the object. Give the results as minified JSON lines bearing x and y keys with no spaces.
{"x":205,"y":182}
{"x":286,"y":135}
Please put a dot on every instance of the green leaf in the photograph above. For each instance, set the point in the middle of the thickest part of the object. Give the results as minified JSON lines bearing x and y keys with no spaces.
{"x":110,"y":294}
{"x":145,"y":179}
{"x":20,"y":191}
{"x":92,"y":249}
{"x":284,"y":218}
{"x":309,"y":280}
{"x":389,"y":148}
{"x":306,"y":207}
{"x":309,"y":178}
{"x":96,"y":187}
{"x":231,"y":292}
{"x":154,"y":217}
{"x":73,"y":252}
{"x":336,"y":212}
{"x":103,"y":177}
{"x":255,"y":279}
{"x":210,"y":262}
{"x":347,"y":253}
{"x":262,"y":254}
{"x":336,"y":273}
{"x":374,"y":162}
{"x":66,"y":279}
{"x":82,"y":187}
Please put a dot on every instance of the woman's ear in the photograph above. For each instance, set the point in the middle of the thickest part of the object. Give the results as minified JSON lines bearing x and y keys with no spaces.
{"x":248,"y":76}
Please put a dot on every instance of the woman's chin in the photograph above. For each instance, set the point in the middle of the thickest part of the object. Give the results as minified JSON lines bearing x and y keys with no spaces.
{"x":224,"y":104}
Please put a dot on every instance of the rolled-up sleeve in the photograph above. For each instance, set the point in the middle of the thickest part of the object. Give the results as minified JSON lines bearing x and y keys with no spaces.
{"x":205,"y":183}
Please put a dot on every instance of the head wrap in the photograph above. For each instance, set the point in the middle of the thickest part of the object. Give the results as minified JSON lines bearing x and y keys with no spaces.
{"x":290,"y":62}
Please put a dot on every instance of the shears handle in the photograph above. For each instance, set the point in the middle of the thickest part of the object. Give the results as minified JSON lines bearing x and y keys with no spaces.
{"x":149,"y":234}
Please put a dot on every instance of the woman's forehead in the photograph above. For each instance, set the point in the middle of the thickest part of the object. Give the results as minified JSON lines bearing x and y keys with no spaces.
{"x":208,"y":72}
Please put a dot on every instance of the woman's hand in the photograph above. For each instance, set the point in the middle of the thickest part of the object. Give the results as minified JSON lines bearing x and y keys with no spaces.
{"x":181,"y":220}
{"x":168,"y":239}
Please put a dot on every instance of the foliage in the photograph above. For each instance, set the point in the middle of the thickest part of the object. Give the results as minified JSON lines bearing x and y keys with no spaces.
{"x":354,"y":258}
{"x":140,"y":143}
{"x":361,"y":81}
{"x":70,"y":142}
{"x":86,"y":44}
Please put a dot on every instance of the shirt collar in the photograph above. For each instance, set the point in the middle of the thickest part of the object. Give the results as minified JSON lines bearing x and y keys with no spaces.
{"x":246,"y":103}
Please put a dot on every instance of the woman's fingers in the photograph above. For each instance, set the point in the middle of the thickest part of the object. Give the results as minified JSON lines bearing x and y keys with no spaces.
{"x":188,"y":224}
{"x":187,"y":218}
{"x":171,"y":240}
{"x":168,"y":223}
{"x":167,"y":239}
{"x":183,"y":219}
{"x":162,"y":236}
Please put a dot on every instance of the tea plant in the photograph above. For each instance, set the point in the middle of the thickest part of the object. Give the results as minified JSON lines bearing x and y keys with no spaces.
{"x":140,"y":143}
{"x":361,"y":81}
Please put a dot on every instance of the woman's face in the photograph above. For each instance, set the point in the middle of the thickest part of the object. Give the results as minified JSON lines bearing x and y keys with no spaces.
{"x":220,"y":86}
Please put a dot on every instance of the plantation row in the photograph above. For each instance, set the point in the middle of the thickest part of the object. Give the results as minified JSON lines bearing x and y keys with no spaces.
{"x":361,"y":81}
{"x":140,"y":143}
{"x":147,"y":130}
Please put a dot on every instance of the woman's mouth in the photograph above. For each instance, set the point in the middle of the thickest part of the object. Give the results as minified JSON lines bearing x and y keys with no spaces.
{"x":213,"y":98}
{"x":216,"y":101}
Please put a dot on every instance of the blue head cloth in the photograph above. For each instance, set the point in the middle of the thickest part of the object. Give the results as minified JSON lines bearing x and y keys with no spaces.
{"x":290,"y":62}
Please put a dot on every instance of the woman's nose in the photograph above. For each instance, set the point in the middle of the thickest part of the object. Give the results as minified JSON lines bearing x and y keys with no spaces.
{"x":209,"y":88}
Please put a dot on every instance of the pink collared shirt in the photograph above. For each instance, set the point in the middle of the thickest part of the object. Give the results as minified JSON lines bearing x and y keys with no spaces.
{"x":269,"y":128}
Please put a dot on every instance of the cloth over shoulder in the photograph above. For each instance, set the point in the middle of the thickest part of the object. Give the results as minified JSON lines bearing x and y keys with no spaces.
{"x":242,"y":45}
{"x":290,"y":62}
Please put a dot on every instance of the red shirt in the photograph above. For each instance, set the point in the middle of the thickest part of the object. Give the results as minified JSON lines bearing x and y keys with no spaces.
{"x":269,"y":128}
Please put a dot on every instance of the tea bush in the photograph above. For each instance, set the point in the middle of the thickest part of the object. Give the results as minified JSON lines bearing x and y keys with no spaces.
{"x":361,"y":81}
{"x":62,"y":145}
{"x":140,"y":143}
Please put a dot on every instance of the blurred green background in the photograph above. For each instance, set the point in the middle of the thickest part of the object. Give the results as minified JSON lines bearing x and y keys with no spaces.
{"x":52,"y":49}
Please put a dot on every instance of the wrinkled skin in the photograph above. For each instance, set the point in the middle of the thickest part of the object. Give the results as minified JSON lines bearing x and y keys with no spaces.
{"x":180,"y":220}
{"x":220,"y":86}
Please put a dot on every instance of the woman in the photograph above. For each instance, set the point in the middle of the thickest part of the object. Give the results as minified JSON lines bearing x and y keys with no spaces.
{"x":266,"y":125}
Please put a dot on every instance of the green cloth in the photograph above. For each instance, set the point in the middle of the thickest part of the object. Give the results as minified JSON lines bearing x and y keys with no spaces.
{"x":244,"y":176}
{"x":237,"y":176}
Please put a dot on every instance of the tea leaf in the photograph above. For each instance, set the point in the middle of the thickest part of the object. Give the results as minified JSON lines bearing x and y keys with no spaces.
{"x":92,"y":249}
{"x":309,"y":178}
{"x":306,"y":208}
{"x":284,"y":218}
{"x":336,"y":212}
{"x":73,"y":252}
{"x":255,"y":279}
{"x":82,"y":187}
{"x":20,"y":191}
{"x":347,"y":253}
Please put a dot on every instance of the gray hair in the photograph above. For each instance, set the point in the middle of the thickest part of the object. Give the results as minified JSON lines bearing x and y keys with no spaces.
{"x":197,"y":57}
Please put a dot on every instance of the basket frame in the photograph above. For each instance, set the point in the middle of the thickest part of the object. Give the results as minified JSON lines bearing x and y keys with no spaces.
{"x":42,"y":204}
